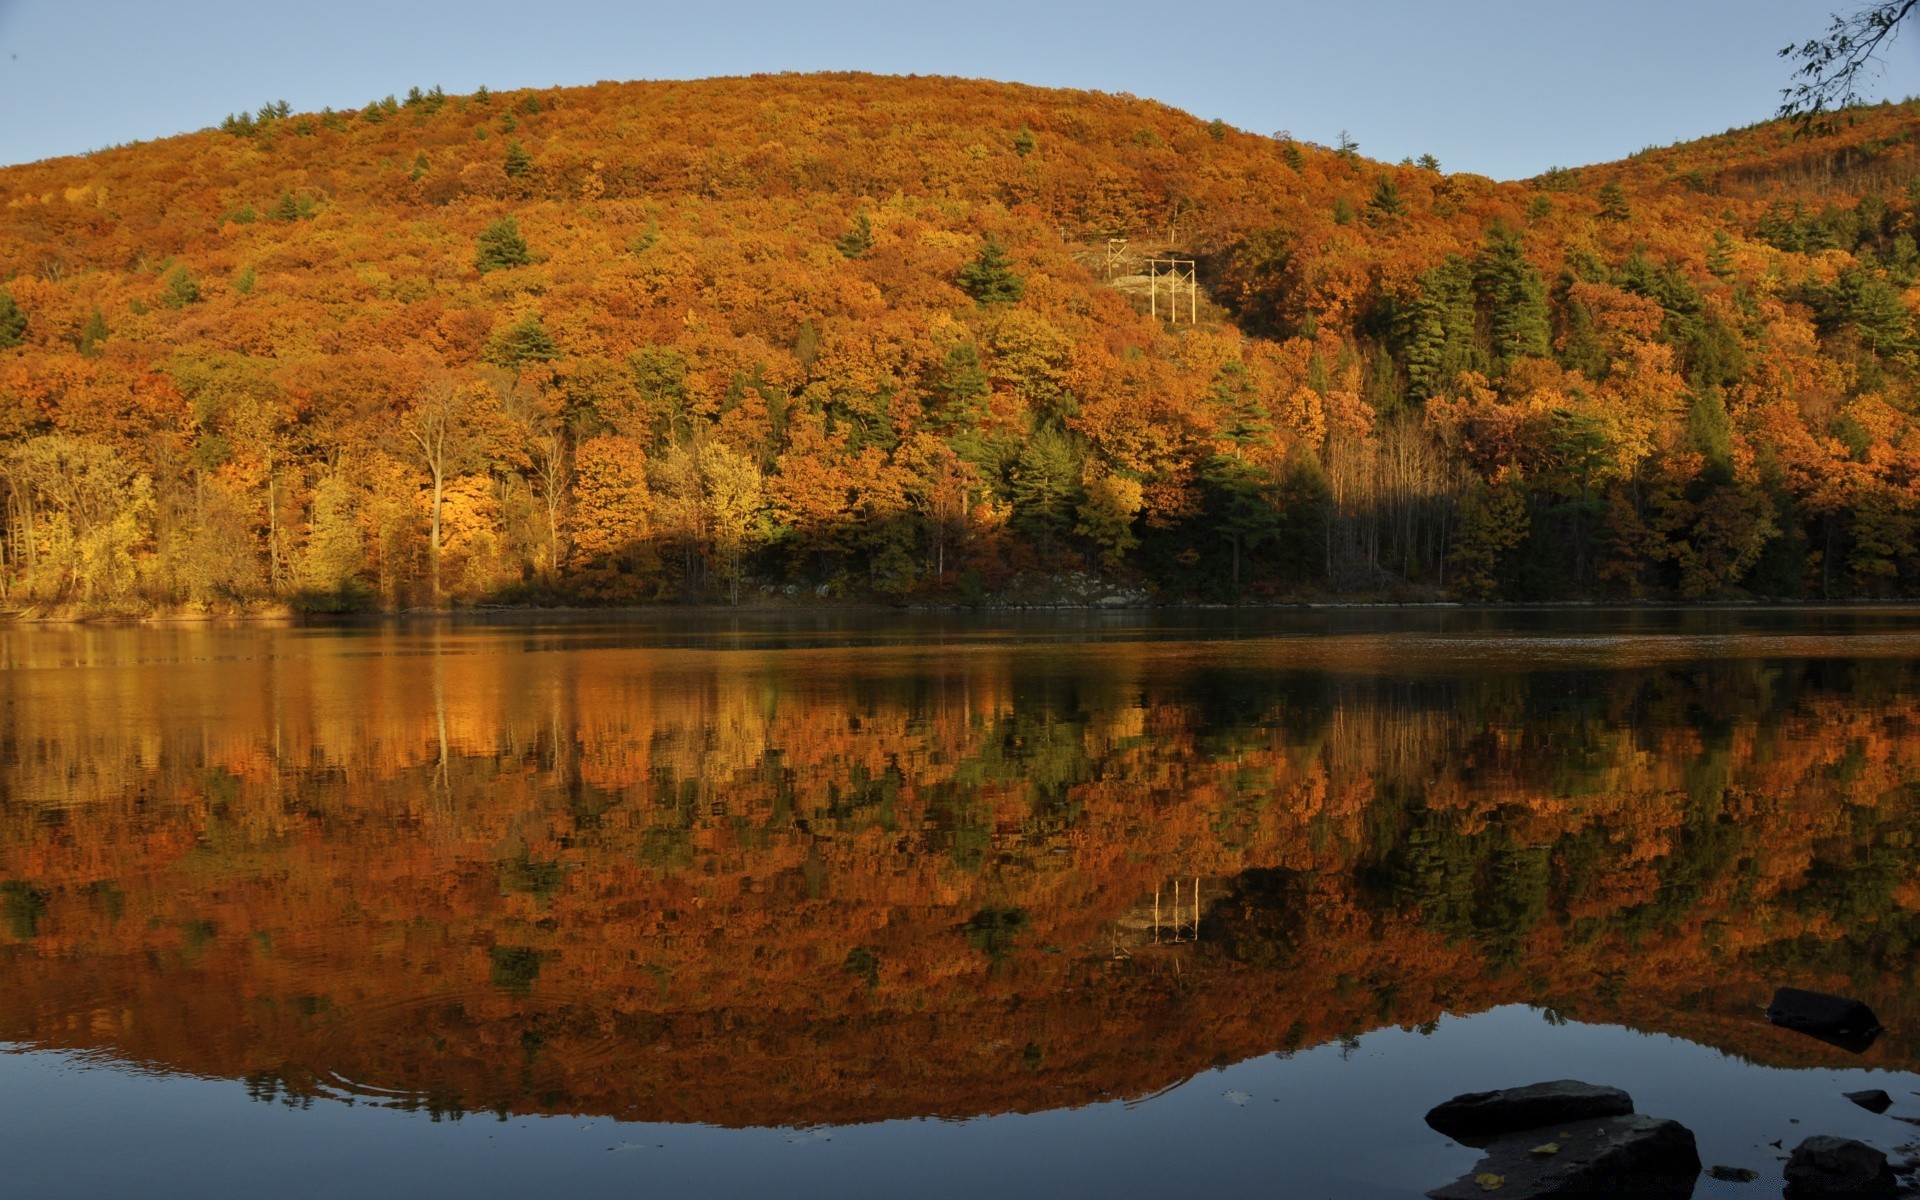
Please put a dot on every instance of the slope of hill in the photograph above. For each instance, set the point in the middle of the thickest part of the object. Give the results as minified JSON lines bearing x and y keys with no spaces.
{"x":857,"y":336}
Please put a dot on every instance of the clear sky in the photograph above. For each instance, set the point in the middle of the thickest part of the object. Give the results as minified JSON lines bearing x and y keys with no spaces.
{"x":1502,"y":87}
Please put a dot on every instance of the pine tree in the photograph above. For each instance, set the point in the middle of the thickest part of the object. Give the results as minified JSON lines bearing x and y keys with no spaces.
{"x":286,"y":208}
{"x":92,"y":335}
{"x":181,"y":288}
{"x":856,"y":241}
{"x":1045,"y":485}
{"x":1720,"y":255}
{"x":1515,"y":299}
{"x":1436,"y":329}
{"x":13,"y":322}
{"x":990,"y":278}
{"x":518,"y":161}
{"x":500,"y":246}
{"x":1024,"y":142}
{"x":960,"y":383}
{"x":1386,"y":202}
{"x":527,"y":340}
{"x":1613,"y":203}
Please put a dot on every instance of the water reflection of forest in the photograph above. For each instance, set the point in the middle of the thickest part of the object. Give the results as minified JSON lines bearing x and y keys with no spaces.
{"x":831,"y":885}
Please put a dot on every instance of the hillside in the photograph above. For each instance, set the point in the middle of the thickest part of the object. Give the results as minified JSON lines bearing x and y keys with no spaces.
{"x":863,"y":337}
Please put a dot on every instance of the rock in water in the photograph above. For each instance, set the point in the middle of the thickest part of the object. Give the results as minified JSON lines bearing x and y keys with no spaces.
{"x":1836,"y":1020}
{"x":1874,"y":1101}
{"x":1642,"y":1157}
{"x":1832,"y":1166}
{"x":1476,"y":1116}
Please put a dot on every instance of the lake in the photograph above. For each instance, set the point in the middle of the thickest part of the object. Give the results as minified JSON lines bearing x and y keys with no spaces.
{"x":857,"y":904}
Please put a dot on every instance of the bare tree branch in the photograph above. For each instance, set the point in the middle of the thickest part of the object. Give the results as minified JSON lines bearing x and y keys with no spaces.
{"x":1831,"y":66}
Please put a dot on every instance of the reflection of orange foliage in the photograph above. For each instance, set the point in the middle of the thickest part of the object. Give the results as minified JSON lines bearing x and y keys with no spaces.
{"x":642,"y":872}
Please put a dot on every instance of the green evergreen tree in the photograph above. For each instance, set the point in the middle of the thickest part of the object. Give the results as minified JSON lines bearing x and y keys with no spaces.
{"x":1024,"y":142}
{"x":526,"y":340}
{"x":1343,"y":213}
{"x":1045,"y":485}
{"x":1386,"y":202}
{"x":181,"y":288}
{"x":858,"y":239}
{"x":1428,"y":162}
{"x":1710,"y":431}
{"x":286,"y":208}
{"x":1291,"y":155}
{"x":1613,"y":203}
{"x":990,"y":278}
{"x":1240,"y":500}
{"x":92,"y":335}
{"x":500,"y":246}
{"x":1436,"y":331}
{"x":13,"y":322}
{"x":518,"y":162}
{"x":960,"y":386}
{"x":1863,"y":301}
{"x":1515,"y":299}
{"x":420,"y":165}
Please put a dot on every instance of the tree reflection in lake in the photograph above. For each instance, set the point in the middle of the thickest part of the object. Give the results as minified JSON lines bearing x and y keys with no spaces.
{"x":526,"y":871}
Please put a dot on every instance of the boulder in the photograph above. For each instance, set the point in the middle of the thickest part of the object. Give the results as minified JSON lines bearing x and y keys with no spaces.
{"x":1732,"y":1174}
{"x":1477,"y":1116}
{"x":1875,"y":1100}
{"x":1836,"y":1020}
{"x":1833,"y":1166}
{"x":1643,"y":1157}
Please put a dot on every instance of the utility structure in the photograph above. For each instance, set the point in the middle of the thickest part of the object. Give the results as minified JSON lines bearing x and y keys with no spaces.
{"x":1116,"y":255}
{"x":1181,"y":283}
{"x":1181,"y":929}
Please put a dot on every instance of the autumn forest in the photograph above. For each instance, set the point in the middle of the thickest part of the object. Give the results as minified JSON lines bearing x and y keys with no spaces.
{"x":909,"y":340}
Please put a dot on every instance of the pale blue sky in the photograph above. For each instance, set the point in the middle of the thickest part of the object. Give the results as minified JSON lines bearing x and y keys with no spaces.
{"x":1503,"y":87}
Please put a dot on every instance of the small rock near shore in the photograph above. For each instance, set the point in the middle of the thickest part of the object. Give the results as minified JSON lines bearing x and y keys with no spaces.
{"x":1482,"y":1115}
{"x":1874,"y":1100}
{"x":1732,"y":1174}
{"x":1643,"y":1157}
{"x":1833,"y":1166}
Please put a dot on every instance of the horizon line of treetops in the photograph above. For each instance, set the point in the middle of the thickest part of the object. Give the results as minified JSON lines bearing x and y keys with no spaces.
{"x":538,"y":372}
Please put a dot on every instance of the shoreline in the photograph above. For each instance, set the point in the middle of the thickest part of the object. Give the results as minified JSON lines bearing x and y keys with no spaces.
{"x":281,"y":616}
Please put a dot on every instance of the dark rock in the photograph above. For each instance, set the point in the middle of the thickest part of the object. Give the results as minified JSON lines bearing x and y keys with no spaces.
{"x":1642,"y":1157}
{"x":1733,"y":1174}
{"x":1476,"y":1116}
{"x":1832,"y":1166}
{"x":1836,"y":1020}
{"x":1874,"y":1100}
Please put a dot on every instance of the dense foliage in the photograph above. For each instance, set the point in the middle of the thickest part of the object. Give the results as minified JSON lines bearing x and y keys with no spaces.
{"x":855,"y":884}
{"x":865,"y":336}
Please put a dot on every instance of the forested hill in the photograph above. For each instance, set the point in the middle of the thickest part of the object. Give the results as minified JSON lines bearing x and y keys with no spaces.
{"x":872,"y":337}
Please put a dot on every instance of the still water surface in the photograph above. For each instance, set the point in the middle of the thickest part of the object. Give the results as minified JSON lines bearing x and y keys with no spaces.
{"x":856,"y":905}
